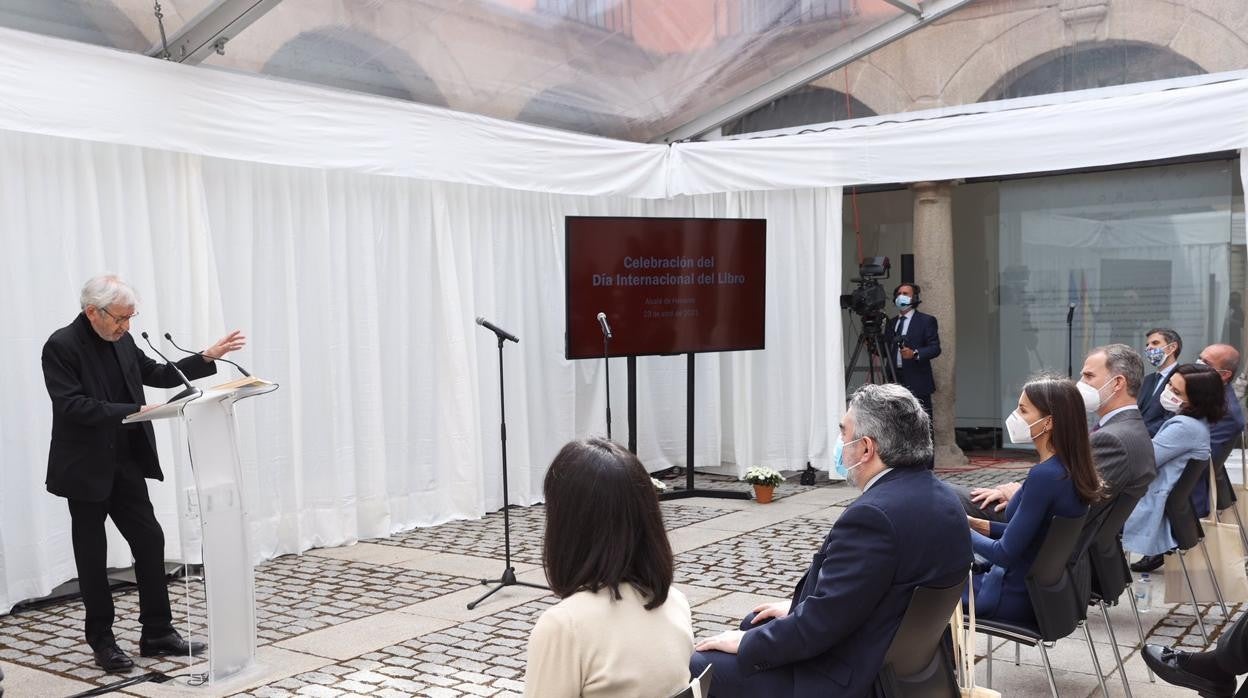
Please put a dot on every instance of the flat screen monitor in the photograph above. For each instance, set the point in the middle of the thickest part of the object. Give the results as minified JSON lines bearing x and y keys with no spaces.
{"x":666,"y":285}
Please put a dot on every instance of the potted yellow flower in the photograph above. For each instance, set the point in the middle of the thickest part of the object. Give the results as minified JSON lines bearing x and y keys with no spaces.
{"x":764,"y":481}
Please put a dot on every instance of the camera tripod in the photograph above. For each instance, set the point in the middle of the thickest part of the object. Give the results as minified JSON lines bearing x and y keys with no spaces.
{"x":876,"y":347}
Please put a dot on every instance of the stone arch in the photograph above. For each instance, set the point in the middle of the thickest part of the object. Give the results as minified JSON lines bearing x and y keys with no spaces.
{"x":357,"y":60}
{"x":99,"y":23}
{"x":1089,"y":66}
{"x":1199,"y":36}
{"x":808,"y":105}
{"x":571,"y":108}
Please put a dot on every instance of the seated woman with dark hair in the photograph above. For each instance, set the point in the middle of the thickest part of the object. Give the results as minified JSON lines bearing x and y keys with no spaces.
{"x":1197,"y":398}
{"x":620,"y":628}
{"x":1065,"y":482}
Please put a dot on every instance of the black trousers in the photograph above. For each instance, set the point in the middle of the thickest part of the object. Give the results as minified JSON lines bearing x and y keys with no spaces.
{"x":131,"y":510}
{"x":1232,"y":651}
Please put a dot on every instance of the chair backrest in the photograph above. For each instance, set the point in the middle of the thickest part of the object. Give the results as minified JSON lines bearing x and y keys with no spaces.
{"x":700,"y":686}
{"x":1109,"y":572}
{"x":916,"y":664}
{"x":1184,"y":523}
{"x":1224,"y":489}
{"x":1050,"y":585}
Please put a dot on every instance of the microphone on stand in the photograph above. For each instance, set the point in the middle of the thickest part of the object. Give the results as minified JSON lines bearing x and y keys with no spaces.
{"x":1070,"y":341}
{"x":602,"y":322}
{"x":190,"y":389}
{"x":502,"y":334}
{"x":201,"y":355}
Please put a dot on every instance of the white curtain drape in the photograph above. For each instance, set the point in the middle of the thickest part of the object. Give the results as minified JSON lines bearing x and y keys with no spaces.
{"x":358,"y":294}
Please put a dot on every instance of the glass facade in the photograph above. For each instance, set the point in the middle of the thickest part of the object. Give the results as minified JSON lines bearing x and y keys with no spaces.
{"x":1130,"y":249}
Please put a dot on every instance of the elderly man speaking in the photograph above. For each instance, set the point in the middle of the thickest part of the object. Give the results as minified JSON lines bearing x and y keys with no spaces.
{"x":907,"y":529}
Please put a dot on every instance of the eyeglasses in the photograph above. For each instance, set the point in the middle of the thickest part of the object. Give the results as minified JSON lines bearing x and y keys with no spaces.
{"x":118,"y":320}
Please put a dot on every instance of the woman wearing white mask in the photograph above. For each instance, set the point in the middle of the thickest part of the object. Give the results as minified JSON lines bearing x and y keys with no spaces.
{"x":1196,"y":399}
{"x":1065,"y":482}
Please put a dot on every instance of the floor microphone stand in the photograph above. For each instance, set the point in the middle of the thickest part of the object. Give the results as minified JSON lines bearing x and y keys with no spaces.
{"x":509,"y":573}
{"x":606,"y":360}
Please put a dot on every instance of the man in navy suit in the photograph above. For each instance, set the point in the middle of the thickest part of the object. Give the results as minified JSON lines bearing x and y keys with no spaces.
{"x":913,"y":340}
{"x":1162,"y":350}
{"x":906,"y":530}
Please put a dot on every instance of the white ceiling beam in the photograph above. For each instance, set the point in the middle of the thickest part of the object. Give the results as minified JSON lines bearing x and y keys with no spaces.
{"x":209,"y":31}
{"x":814,"y":69}
{"x":907,"y":6}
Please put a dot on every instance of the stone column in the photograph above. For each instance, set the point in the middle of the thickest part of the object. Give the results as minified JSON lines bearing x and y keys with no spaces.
{"x":933,"y":270}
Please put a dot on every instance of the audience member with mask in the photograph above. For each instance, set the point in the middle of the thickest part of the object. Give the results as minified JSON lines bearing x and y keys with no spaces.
{"x":1162,"y":349}
{"x":906,"y":530}
{"x":1051,"y":415}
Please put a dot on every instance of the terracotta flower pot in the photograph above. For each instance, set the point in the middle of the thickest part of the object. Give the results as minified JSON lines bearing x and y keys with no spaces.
{"x":763,"y":493}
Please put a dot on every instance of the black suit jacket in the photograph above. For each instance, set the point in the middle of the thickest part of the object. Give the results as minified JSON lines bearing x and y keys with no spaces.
{"x":907,"y":530}
{"x":86,"y":427}
{"x":1149,"y":402}
{"x":923,"y":336}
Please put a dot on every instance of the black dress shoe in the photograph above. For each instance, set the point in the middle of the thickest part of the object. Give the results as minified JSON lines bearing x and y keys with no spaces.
{"x":1148,"y":563}
{"x":1165,"y":663}
{"x":110,"y":658}
{"x":170,"y":645}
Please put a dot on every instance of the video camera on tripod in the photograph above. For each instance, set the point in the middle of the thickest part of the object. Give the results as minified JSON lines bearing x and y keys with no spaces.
{"x":867,"y":301}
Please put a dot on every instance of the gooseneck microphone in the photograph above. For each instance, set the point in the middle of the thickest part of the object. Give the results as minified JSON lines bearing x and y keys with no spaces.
{"x":202,"y":356}
{"x":190,"y":389}
{"x":502,"y":334}
{"x":602,"y":322}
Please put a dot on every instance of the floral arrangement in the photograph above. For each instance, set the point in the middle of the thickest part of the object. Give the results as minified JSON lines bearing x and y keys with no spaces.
{"x":763,"y":476}
{"x":658,"y":485}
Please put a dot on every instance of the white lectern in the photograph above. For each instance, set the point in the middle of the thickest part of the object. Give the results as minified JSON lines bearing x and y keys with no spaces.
{"x":229,"y":582}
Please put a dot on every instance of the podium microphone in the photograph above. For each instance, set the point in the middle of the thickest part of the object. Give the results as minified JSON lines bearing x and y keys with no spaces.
{"x":190,"y":389}
{"x":201,"y":355}
{"x":602,"y":322}
{"x":502,"y":334}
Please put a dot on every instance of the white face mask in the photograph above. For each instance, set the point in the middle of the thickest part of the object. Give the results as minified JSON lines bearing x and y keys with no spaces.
{"x":1092,"y":398}
{"x":1169,"y":401}
{"x":1019,"y":430}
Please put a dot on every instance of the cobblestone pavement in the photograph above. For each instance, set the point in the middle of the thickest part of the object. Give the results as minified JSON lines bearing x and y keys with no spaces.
{"x":485,"y":655}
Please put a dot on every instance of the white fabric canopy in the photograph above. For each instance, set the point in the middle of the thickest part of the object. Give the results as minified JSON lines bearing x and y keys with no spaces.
{"x":358,"y":295}
{"x":89,"y":93}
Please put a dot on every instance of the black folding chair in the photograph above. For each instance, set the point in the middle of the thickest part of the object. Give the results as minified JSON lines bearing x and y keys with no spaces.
{"x":1188,"y":533}
{"x":1053,"y":587}
{"x":1111,"y":575}
{"x":1225,"y":491}
{"x":917,"y":664}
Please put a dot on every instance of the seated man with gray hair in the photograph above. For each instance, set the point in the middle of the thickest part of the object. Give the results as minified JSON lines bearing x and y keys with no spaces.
{"x":906,"y":530}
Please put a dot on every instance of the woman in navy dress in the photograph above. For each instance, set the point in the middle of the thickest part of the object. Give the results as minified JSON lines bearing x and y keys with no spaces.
{"x":1065,"y":482}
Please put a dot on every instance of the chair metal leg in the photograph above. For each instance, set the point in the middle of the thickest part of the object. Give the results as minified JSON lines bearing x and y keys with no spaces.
{"x":1139,"y":627}
{"x":1243,"y":536}
{"x":1048,"y":668}
{"x":989,"y":639}
{"x":1200,"y":622}
{"x":1213,"y":577}
{"x":1096,"y":661}
{"x":1017,"y":654}
{"x":1113,"y":642}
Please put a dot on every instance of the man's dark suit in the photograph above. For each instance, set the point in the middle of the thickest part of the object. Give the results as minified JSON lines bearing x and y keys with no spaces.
{"x":1149,"y":402}
{"x":906,"y":530}
{"x":100,"y":466}
{"x":923,"y":336}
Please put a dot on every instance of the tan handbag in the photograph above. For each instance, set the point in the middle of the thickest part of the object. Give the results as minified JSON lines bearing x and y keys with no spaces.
{"x":1226,"y":554}
{"x":964,"y":647}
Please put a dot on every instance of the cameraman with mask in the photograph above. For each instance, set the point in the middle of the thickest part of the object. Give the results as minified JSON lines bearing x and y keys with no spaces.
{"x":913,"y":340}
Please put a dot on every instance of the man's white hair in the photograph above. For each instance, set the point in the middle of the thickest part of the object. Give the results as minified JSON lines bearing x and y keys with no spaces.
{"x":105,"y":290}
